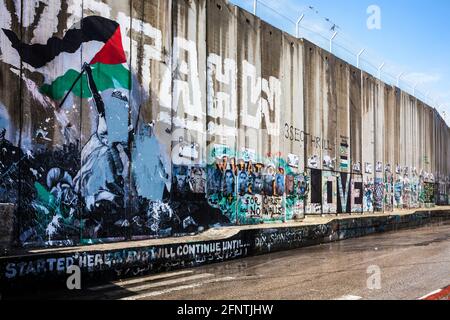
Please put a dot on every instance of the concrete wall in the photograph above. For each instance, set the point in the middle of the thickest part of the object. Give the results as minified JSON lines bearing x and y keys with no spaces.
{"x":211,"y":117}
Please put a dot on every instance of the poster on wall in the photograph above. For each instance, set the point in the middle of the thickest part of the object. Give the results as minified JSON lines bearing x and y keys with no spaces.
{"x":398,"y":191}
{"x":378,"y":194}
{"x":388,"y":191}
{"x":368,"y":199}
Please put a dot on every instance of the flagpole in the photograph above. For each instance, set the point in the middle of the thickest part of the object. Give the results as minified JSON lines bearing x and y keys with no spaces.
{"x":71,"y":88}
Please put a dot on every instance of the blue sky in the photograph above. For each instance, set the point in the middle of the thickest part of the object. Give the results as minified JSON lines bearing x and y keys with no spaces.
{"x":414,"y":37}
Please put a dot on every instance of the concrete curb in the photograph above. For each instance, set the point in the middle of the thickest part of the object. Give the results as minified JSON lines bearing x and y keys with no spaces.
{"x":104,"y":262}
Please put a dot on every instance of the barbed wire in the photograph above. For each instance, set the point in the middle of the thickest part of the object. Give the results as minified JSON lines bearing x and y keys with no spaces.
{"x":344,"y":48}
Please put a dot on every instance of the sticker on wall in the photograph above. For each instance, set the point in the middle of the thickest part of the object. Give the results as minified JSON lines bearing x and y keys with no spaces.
{"x":219,"y":151}
{"x":357,"y":167}
{"x":368,"y":168}
{"x":405,"y":171}
{"x":293,"y":161}
{"x":388,"y":191}
{"x":180,"y":183}
{"x":406,"y":193}
{"x":429,"y":198}
{"x":313,"y":162}
{"x":296,"y":194}
{"x":388,"y":168}
{"x":378,"y":195}
{"x":344,"y":156}
{"x":248,"y":155}
{"x":344,"y":163}
{"x":197,"y":180}
{"x":398,"y":192}
{"x":328,"y":162}
{"x":368,"y":195}
{"x":415,"y":189}
{"x":379,"y":167}
{"x":189,"y":151}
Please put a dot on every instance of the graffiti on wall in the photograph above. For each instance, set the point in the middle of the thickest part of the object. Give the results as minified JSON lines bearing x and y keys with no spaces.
{"x":249,"y":189}
{"x":94,"y":150}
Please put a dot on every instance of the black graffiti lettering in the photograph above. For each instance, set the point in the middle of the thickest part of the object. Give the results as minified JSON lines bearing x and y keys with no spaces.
{"x":286,"y":133}
{"x":297,"y":135}
{"x":316,"y":142}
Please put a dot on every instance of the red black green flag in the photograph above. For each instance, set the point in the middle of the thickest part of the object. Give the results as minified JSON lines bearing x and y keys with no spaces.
{"x":95,"y":40}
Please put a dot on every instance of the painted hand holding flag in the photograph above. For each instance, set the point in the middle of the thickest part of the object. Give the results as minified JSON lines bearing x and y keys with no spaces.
{"x":95,"y":39}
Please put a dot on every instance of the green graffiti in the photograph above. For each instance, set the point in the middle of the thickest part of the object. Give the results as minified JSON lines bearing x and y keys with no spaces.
{"x":51,"y":214}
{"x":250,"y":189}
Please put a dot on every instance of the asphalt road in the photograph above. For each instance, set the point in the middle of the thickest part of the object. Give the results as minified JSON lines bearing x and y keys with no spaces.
{"x":410,"y":263}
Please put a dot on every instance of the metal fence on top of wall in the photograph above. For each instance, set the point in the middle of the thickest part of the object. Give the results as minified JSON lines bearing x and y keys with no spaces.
{"x":307,"y":22}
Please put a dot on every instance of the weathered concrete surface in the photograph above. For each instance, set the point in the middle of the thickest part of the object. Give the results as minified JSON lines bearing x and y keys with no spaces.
{"x":198,"y":75}
{"x":249,"y":71}
{"x":292,"y":97}
{"x":122,"y":260}
{"x":314,"y":65}
{"x":7,"y":227}
{"x":343,"y":102}
{"x":355,"y":120}
{"x":369,"y":97}
{"x":380,"y":168}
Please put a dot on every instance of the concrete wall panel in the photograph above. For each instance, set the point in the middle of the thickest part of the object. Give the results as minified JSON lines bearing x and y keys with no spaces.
{"x":330,"y":69}
{"x":105,"y":129}
{"x":148,"y":37}
{"x":50,"y":130}
{"x":379,"y":163}
{"x":189,"y":83}
{"x":249,"y":143}
{"x":313,"y":71}
{"x":271,"y":111}
{"x":343,"y":100}
{"x":10,"y":104}
{"x":369,"y":96}
{"x":355,"y":120}
{"x":222,"y":118}
{"x":389,"y":145}
{"x":292,"y":126}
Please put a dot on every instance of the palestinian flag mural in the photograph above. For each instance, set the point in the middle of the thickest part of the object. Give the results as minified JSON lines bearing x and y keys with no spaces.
{"x":96,"y":40}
